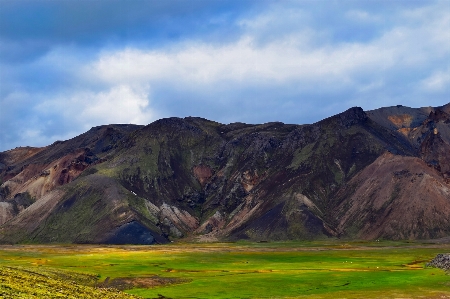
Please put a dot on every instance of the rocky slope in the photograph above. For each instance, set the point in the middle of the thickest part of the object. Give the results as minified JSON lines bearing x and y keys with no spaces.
{"x":30,"y":173}
{"x":376,"y":174}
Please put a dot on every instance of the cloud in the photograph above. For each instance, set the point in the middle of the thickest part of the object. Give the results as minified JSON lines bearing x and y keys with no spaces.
{"x":437,"y":82}
{"x":279,"y":62}
{"x":119,"y":104}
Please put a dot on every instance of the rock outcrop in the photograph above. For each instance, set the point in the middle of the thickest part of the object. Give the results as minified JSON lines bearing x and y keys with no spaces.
{"x":441,"y":261}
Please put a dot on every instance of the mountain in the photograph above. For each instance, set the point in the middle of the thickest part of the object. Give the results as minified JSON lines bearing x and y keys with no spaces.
{"x":383,"y":173}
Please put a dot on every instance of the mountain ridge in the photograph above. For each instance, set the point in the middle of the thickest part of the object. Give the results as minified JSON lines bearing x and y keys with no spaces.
{"x":198,"y":179}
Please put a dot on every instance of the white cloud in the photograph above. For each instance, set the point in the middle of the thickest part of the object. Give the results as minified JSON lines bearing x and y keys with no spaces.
{"x":275,"y":63}
{"x":119,"y":104}
{"x":439,"y":81}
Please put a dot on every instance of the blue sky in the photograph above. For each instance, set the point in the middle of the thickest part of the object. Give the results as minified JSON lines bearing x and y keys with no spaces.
{"x":66,"y":66}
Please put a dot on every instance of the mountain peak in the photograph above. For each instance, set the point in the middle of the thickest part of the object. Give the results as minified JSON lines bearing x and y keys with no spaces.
{"x":352,"y":116}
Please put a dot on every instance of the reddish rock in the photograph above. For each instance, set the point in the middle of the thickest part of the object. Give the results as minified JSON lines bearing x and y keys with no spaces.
{"x":203,"y":173}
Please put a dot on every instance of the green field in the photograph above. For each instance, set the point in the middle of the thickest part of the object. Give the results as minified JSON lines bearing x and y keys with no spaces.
{"x":225,"y":270}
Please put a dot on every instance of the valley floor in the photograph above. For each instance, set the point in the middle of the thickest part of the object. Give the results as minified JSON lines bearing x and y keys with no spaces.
{"x":321,"y":269}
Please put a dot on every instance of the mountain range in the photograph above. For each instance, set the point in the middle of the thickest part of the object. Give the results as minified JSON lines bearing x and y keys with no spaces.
{"x":380,"y":174}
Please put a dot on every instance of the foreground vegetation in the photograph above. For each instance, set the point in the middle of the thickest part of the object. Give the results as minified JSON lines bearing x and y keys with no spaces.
{"x":235,"y":270}
{"x":19,"y":282}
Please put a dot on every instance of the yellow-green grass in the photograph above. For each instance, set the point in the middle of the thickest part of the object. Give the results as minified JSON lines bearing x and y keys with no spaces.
{"x":40,"y":282}
{"x":251,"y":270}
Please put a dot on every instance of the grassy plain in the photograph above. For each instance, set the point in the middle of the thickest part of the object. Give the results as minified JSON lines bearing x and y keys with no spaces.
{"x":239,"y":270}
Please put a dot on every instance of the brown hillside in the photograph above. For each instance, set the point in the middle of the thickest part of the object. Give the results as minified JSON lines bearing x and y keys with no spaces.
{"x":395,"y":198}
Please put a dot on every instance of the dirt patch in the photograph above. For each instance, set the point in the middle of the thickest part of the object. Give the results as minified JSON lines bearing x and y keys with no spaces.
{"x":203,"y":173}
{"x":415,"y":264}
{"x":402,"y":120}
{"x":122,"y":283}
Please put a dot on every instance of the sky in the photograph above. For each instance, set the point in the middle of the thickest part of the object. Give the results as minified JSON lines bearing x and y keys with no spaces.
{"x":66,"y":66}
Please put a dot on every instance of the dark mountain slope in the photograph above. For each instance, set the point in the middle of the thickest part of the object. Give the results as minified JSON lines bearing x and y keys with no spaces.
{"x":224,"y":180}
{"x":195,"y":178}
